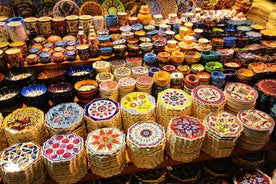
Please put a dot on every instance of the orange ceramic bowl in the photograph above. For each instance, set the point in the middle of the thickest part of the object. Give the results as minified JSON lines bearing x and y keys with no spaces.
{"x":86,"y":89}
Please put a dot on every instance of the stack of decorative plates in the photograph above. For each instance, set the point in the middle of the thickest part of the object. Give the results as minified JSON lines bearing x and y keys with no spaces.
{"x":258,"y":126}
{"x":172,"y":103}
{"x":139,"y":71}
{"x":222,"y":132}
{"x":64,"y":158}
{"x":2,"y":134}
{"x":109,"y":89}
{"x":137,"y":106}
{"x":25,"y":124}
{"x":126,"y":85}
{"x":144,"y":84}
{"x":66,"y":118}
{"x":239,"y":96}
{"x":121,"y":72}
{"x":250,"y":161}
{"x":207,"y":99}
{"x":251,"y":176}
{"x":102,"y":112}
{"x":106,"y":150}
{"x":146,"y":144}
{"x":22,"y":163}
{"x":185,"y":136}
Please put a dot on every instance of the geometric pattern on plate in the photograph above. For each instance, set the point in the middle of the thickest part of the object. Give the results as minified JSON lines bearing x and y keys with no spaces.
{"x":23,"y":119}
{"x":138,"y":102}
{"x":223,"y":123}
{"x":174,"y":99}
{"x":105,"y":140}
{"x":208,"y":94}
{"x":251,"y":176}
{"x":101,"y":109}
{"x":256,"y":119}
{"x":187,"y":127}
{"x":241,"y":92}
{"x":19,"y":156}
{"x":64,"y":115}
{"x":146,"y":134}
{"x":62,"y":147}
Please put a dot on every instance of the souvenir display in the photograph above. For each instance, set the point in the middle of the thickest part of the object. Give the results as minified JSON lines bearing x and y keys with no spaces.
{"x":3,"y":140}
{"x":258,"y":126}
{"x":66,"y":118}
{"x":222,"y":132}
{"x":251,"y":176}
{"x":146,"y":144}
{"x":185,"y":136}
{"x":102,"y":112}
{"x":22,"y":162}
{"x":206,"y":99}
{"x":64,"y":158}
{"x":113,"y":6}
{"x":172,"y":103}
{"x":25,"y":124}
{"x":106,"y":150}
{"x":239,"y":96}
{"x":137,"y":106}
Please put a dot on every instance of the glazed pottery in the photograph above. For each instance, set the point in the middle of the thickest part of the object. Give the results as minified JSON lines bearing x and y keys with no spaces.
{"x":17,"y":31}
{"x":144,"y":15}
{"x":45,"y":57}
{"x":32,"y":25}
{"x":4,"y":34}
{"x":86,"y":21}
{"x":83,"y":52}
{"x":122,"y":18}
{"x":45,"y":25}
{"x":59,"y":26}
{"x":72,"y":24}
{"x":111,"y":20}
{"x":14,"y":57}
{"x":98,"y":22}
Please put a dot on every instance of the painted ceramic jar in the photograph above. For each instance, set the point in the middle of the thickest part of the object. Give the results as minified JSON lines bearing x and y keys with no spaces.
{"x":144,"y":15}
{"x":45,"y":25}
{"x":70,"y":55}
{"x":32,"y":59}
{"x":45,"y":57}
{"x":132,"y":20}
{"x":20,"y":19}
{"x":111,"y":20}
{"x":4,"y":34}
{"x":72,"y":24}
{"x":86,"y":21}
{"x":31,"y":25}
{"x":14,"y":57}
{"x":122,"y":18}
{"x":21,"y":45}
{"x":59,"y":26}
{"x":58,"y":57}
{"x":83,"y":52}
{"x":17,"y":31}
{"x":98,"y":22}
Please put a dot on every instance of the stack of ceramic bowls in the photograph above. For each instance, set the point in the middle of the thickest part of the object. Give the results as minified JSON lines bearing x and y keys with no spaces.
{"x":172,"y":103}
{"x":146,"y":144}
{"x":25,"y":124}
{"x":104,"y":76}
{"x":139,"y":71}
{"x":251,"y":176}
{"x":137,"y":106}
{"x":144,"y":84}
{"x":22,"y":163}
{"x":102,"y":66}
{"x":66,"y":118}
{"x":239,"y":96}
{"x":106,"y":151}
{"x":222,"y":132}
{"x":126,"y":85}
{"x":2,"y":134}
{"x":121,"y":72}
{"x":206,"y":99}
{"x":102,"y":112}
{"x":64,"y":158}
{"x":185,"y":136}
{"x":258,"y":126}
{"x":109,"y":89}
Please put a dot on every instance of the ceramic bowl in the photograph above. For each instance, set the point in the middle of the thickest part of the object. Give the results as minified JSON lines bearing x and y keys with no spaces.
{"x":106,"y":51}
{"x":232,"y":64}
{"x":86,"y":89}
{"x":45,"y":57}
{"x":20,"y":77}
{"x":9,"y":98}
{"x":213,"y":66}
{"x":35,"y":95}
{"x":146,"y":47}
{"x":51,"y":76}
{"x":61,"y":92}
{"x":163,"y":57}
{"x":70,"y":55}
{"x":245,"y":75}
{"x":78,"y":73}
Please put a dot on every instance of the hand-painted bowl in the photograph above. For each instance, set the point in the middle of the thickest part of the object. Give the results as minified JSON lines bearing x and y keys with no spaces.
{"x":20,"y":77}
{"x":51,"y":76}
{"x":61,"y":92}
{"x":78,"y":73}
{"x":34,"y":95}
{"x":9,"y":98}
{"x":86,"y":89}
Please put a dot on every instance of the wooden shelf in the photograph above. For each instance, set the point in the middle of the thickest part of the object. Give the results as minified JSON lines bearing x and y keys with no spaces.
{"x":130,"y":168}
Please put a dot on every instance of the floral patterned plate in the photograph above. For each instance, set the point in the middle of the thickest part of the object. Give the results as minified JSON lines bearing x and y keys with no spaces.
{"x":64,"y":8}
{"x":241,"y":92}
{"x":155,"y":7}
{"x":113,"y":6}
{"x":208,"y":94}
{"x":174,"y":99}
{"x":62,"y":147}
{"x":251,"y":176}
{"x":19,"y":156}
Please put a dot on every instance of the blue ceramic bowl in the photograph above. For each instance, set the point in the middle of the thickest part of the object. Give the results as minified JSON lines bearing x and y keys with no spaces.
{"x":34,"y":50}
{"x":34,"y":94}
{"x":152,"y":33}
{"x":104,"y":38}
{"x":45,"y":57}
{"x":21,"y":77}
{"x":136,"y":27}
{"x":78,"y":73}
{"x":70,"y":55}
{"x":106,"y":51}
{"x":60,"y":44}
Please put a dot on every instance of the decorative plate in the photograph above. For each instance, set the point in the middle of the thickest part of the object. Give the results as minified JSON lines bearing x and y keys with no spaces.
{"x":108,"y":85}
{"x":174,"y":99}
{"x":91,"y":8}
{"x":64,"y":8}
{"x":146,"y":134}
{"x":113,"y":6}
{"x":105,"y":141}
{"x":138,"y":103}
{"x":208,"y":94}
{"x":224,"y":124}
{"x":187,"y":127}
{"x":101,"y":109}
{"x":19,"y":156}
{"x":241,"y":92}
{"x":126,"y":81}
{"x":185,"y":6}
{"x":169,"y":7}
{"x":64,"y":115}
{"x":23,"y":119}
{"x":264,"y":86}
{"x":256,"y":120}
{"x":155,"y":7}
{"x":45,"y":9}
{"x":62,"y":147}
{"x":251,"y":176}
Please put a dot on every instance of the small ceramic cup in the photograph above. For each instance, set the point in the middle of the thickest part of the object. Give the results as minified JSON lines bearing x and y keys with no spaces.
{"x":45,"y":57}
{"x":17,"y":31}
{"x":98,"y":22}
{"x":45,"y":25}
{"x":122,"y":18}
{"x":59,"y":26}
{"x":158,"y":19}
{"x":32,"y":25}
{"x":83,"y":51}
{"x":111,"y":20}
{"x":72,"y":24}
{"x":183,"y":31}
{"x":86,"y":21}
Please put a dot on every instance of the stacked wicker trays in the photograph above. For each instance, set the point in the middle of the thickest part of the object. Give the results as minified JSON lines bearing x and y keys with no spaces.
{"x":239,"y":96}
{"x":25,"y":124}
{"x":102,"y":112}
{"x":64,"y":158}
{"x":146,"y":144}
{"x":185,"y":136}
{"x":2,"y":134}
{"x":207,"y":99}
{"x":106,"y":150}
{"x":258,"y":126}
{"x":22,"y":163}
{"x":223,"y":131}
{"x":172,"y":103}
{"x":66,"y":118}
{"x":137,"y":106}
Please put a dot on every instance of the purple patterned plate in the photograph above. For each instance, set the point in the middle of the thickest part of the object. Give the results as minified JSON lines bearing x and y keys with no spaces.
{"x":155,"y":7}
